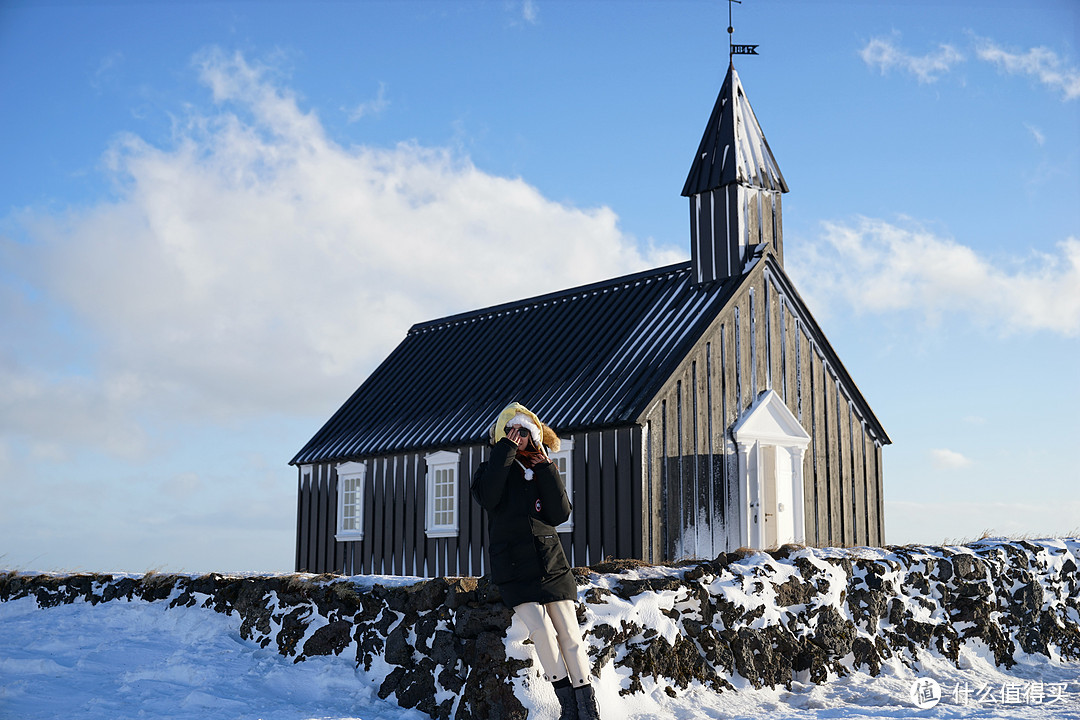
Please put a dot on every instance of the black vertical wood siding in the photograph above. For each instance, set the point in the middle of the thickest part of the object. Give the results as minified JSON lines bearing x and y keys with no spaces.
{"x":771,"y":347}
{"x":608,"y":495}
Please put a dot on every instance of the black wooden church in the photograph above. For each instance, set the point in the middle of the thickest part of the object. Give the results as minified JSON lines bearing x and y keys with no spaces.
{"x":700,"y":406}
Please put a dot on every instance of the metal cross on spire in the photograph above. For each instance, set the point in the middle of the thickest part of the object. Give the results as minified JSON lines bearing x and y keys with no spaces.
{"x":734,"y":49}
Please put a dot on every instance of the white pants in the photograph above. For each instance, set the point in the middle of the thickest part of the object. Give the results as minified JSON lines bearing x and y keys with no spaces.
{"x":554,"y":631}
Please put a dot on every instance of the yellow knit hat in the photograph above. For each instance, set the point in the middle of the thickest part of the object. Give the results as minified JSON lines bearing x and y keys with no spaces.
{"x":541,"y":433}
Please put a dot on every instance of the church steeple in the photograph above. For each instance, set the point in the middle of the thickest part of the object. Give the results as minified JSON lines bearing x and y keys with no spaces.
{"x":734,"y":188}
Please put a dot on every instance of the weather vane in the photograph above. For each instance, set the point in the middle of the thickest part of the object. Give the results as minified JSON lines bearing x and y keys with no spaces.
{"x":734,"y":49}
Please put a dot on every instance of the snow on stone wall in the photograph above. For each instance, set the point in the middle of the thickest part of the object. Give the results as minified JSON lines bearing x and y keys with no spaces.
{"x":449,"y":648}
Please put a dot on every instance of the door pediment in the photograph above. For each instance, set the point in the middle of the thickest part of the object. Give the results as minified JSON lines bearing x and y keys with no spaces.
{"x":770,"y":421}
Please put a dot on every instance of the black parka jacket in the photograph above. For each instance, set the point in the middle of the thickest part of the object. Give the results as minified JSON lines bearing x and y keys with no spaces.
{"x":527,"y":561}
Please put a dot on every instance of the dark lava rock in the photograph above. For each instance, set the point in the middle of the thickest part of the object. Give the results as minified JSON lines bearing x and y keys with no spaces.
{"x":834,"y":633}
{"x":330,"y":639}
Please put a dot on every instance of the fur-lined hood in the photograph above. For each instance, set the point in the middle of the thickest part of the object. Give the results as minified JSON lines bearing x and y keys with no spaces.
{"x":518,"y":413}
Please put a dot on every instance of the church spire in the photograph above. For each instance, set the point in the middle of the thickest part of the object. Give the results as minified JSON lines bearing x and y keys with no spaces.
{"x":734,"y":188}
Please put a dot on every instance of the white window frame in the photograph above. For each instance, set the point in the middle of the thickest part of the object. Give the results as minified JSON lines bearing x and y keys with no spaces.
{"x":443,"y":461}
{"x":564,"y":460}
{"x":355,"y":474}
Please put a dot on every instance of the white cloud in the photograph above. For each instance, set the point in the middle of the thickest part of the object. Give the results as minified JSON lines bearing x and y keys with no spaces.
{"x":529,"y":11}
{"x":371,"y":107}
{"x":1039,"y":62}
{"x":874,"y":266}
{"x":522,"y":12}
{"x":106,"y":69}
{"x":56,"y":411}
{"x":1036,"y":134}
{"x":886,"y":55}
{"x":948,"y":459}
{"x":256,"y":266}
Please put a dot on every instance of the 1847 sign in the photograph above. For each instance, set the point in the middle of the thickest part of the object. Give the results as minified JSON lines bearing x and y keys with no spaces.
{"x":744,"y":49}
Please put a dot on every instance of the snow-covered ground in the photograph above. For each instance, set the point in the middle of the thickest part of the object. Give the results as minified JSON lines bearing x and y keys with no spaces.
{"x":138,"y":659}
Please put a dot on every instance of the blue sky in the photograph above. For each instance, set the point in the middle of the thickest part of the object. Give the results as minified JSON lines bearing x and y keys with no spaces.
{"x":217,"y":218}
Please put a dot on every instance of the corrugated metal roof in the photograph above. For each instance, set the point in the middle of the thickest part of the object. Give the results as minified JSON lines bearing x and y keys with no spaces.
{"x":733,"y":148}
{"x":590,"y":356}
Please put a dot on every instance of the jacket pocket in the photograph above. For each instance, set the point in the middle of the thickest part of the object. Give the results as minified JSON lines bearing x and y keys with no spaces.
{"x":549,"y":553}
{"x":514,"y":561}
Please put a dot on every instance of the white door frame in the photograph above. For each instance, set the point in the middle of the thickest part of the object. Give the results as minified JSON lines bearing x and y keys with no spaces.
{"x":769,"y":422}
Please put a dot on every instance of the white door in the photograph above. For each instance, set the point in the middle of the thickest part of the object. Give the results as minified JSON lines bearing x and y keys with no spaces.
{"x":771,"y":445}
{"x":769,"y":481}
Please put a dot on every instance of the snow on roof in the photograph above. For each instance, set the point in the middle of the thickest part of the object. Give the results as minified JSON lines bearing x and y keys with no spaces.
{"x":733,"y":148}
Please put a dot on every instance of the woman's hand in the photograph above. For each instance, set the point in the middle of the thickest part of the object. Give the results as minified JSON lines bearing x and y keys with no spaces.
{"x":519,"y":436}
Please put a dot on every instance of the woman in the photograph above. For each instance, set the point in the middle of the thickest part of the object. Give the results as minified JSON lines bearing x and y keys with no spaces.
{"x":525,"y":499}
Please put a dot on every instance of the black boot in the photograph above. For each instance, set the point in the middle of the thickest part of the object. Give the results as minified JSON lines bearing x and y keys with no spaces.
{"x":567,"y":704}
{"x":586,"y":703}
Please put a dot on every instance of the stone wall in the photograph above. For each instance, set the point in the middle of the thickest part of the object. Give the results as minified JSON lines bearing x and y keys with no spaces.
{"x":443,"y":646}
